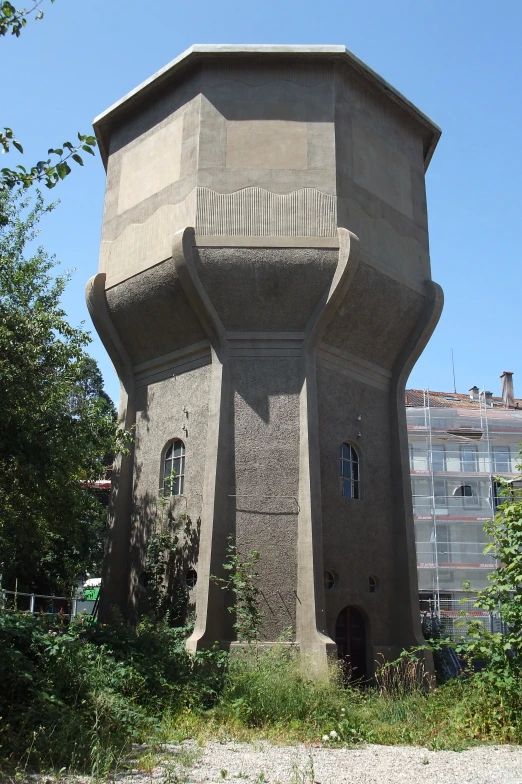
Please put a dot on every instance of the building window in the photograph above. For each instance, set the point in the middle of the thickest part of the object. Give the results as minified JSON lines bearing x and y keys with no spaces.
{"x":440,"y":493}
{"x":350,"y":472}
{"x":501,"y":459}
{"x":191,"y":579}
{"x":438,"y":459}
{"x":373,"y":584}
{"x":441,"y":541}
{"x":470,"y":496}
{"x":499,"y":495}
{"x":468,"y":458}
{"x":174,"y":468}
{"x":330,"y":580}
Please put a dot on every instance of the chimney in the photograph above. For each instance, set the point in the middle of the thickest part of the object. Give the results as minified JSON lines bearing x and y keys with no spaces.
{"x":508,"y":395}
{"x":489,"y":399}
{"x":474,"y":393}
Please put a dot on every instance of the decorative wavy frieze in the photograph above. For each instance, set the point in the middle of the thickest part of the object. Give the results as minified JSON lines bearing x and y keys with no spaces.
{"x":257,"y":212}
{"x":253,"y":212}
{"x":254,"y":73}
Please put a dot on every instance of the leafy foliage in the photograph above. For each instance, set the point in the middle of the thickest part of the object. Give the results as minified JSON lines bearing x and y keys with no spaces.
{"x":78,"y":696}
{"x":58,"y":427}
{"x":49,"y":171}
{"x":13,"y":21}
{"x":501,"y":651}
{"x":241,"y":581}
{"x":55,"y":168}
{"x":171,"y":547}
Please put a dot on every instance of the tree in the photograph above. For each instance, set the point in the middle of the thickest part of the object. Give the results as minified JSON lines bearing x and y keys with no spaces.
{"x":13,"y":21}
{"x":57,"y":430}
{"x":498,"y":685}
{"x":58,"y":427}
{"x":55,"y":168}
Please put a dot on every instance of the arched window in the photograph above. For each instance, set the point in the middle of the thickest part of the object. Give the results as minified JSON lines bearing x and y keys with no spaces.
{"x":350,"y":472}
{"x":468,"y":495}
{"x":174,"y":468}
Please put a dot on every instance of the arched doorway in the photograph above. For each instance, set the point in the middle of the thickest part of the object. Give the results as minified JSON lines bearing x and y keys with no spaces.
{"x":350,"y":636}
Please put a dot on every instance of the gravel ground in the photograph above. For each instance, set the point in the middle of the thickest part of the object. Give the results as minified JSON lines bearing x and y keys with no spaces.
{"x":266,"y":764}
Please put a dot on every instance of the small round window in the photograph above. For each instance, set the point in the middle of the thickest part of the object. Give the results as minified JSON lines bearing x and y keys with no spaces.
{"x":330,"y":580}
{"x":191,"y":578}
{"x":373,"y":584}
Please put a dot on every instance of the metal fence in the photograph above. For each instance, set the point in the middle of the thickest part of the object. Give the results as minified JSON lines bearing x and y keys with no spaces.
{"x":455,"y":616}
{"x":46,"y":605}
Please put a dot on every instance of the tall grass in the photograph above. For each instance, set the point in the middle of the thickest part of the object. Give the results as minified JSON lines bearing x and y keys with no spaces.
{"x":274,"y":686}
{"x":78,"y":697}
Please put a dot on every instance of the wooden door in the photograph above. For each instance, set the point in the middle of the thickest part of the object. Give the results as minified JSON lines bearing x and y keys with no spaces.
{"x":350,"y":636}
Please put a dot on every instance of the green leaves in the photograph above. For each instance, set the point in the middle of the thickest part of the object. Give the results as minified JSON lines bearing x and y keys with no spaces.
{"x":7,"y":138}
{"x":13,"y":20}
{"x":48,"y":172}
{"x":502,"y":650}
{"x":58,"y":429}
{"x":242,"y":582}
{"x":62,"y":170}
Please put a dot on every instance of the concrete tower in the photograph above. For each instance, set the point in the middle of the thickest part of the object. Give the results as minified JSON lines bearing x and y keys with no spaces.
{"x":264,"y":292}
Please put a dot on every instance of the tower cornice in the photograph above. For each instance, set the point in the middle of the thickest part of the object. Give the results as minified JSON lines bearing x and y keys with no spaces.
{"x":175,"y":71}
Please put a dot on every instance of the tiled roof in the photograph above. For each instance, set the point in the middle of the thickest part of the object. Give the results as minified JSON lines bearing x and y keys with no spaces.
{"x":416,"y":398}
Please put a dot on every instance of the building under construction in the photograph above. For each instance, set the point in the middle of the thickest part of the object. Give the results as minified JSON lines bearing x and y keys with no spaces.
{"x":459,"y":445}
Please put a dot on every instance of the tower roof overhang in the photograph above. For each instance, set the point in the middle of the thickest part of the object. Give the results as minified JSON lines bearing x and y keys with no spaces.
{"x":117,"y":113}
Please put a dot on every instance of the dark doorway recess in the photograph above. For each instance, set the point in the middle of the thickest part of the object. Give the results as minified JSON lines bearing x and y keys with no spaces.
{"x":350,"y":636}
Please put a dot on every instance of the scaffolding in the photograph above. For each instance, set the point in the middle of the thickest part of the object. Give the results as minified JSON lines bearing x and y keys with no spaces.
{"x":457,"y":450}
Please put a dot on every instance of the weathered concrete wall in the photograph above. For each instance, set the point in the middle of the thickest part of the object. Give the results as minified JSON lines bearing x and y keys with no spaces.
{"x":380,"y":178}
{"x":264,"y":484}
{"x":150,"y":194}
{"x":176,"y":407}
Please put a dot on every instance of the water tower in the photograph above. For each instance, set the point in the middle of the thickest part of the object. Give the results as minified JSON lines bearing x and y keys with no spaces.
{"x":264,"y":290}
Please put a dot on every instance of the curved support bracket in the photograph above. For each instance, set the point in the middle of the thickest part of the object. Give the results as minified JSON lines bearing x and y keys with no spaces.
{"x":99,"y":312}
{"x":210,"y":609}
{"x":183,"y":260}
{"x":347,"y":264}
{"x":429,"y":319}
{"x":116,"y":580}
{"x":401,"y":480}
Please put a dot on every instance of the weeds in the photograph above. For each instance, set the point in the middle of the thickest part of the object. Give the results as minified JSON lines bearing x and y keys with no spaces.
{"x":403,"y":677}
{"x":76,"y":699}
{"x":272,"y":688}
{"x":304,"y":774}
{"x":241,"y":580}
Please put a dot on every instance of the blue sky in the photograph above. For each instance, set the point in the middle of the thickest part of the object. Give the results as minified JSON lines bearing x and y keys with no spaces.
{"x":459,"y":61}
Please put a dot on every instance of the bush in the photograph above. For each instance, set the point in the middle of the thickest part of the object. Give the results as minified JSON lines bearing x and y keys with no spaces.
{"x":81,"y":695}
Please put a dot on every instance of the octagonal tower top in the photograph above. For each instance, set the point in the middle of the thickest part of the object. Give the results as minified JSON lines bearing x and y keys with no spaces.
{"x":285,"y":142}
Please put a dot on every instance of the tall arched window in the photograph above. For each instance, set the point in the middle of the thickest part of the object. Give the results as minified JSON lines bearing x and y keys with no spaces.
{"x":350,"y":472}
{"x":174,"y":468}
